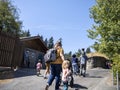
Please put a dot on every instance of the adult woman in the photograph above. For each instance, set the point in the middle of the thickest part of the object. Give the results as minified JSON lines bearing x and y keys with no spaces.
{"x":56,"y":67}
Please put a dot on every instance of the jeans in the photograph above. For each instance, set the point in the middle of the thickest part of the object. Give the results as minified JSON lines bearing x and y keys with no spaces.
{"x":83,"y":69}
{"x":65,"y":85}
{"x":75,"y":68}
{"x":55,"y":71}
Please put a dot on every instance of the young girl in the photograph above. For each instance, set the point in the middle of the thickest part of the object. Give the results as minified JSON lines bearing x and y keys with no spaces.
{"x":65,"y":73}
{"x":38,"y":67}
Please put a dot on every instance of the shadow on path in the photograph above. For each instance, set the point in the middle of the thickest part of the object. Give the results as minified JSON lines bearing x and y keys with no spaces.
{"x":91,"y":76}
{"x":78,"y":87}
{"x":24,"y":72}
{"x":6,"y":73}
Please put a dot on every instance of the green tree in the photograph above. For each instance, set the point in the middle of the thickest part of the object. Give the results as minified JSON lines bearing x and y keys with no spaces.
{"x":60,"y":40}
{"x":9,"y":17}
{"x":51,"y":42}
{"x":95,"y":46}
{"x":68,"y":55}
{"x":106,"y":15}
{"x":42,"y":38}
{"x":25,"y":33}
{"x":28,"y":33}
{"x":88,"y":50}
{"x":46,"y":42}
{"x":78,"y":53}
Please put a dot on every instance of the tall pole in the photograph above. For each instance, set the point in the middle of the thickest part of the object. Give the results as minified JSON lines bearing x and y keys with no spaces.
{"x":117,"y":80}
{"x":112,"y":77}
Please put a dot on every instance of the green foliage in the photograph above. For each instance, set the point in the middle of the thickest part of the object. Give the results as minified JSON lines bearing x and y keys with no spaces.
{"x":46,"y":41}
{"x":78,"y":53}
{"x":95,"y":46}
{"x":68,"y":55}
{"x":106,"y":14}
{"x":116,"y":64}
{"x":41,"y":37}
{"x":25,"y":33}
{"x":9,"y":18}
{"x":88,"y":50}
{"x":50,"y":43}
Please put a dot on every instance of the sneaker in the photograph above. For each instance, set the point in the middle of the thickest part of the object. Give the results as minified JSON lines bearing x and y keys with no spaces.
{"x":45,"y":77}
{"x":83,"y":75}
{"x":46,"y":88}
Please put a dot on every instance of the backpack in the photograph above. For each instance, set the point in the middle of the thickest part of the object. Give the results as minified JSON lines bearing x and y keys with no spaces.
{"x":50,"y":56}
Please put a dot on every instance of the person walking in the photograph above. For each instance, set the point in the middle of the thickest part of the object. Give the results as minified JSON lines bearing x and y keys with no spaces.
{"x":38,"y":67}
{"x":83,"y":62}
{"x":74,"y":64}
{"x":56,"y":67}
{"x":65,"y":73}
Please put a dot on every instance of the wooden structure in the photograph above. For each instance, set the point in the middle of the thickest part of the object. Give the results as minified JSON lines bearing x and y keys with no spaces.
{"x":97,"y":60}
{"x":10,"y":50}
{"x":35,"y":49}
{"x":34,"y":42}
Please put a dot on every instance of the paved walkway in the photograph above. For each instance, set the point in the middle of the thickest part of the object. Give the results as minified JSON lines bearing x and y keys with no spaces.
{"x":102,"y":83}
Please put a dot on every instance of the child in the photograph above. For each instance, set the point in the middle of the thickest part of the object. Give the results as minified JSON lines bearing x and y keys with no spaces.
{"x":65,"y":73}
{"x":38,"y":67}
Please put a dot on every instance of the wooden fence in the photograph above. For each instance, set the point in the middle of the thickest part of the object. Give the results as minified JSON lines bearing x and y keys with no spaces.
{"x":10,"y":50}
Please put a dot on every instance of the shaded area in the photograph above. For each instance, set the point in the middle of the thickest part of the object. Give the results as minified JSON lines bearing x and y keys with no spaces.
{"x":6,"y":73}
{"x":24,"y":72}
{"x":92,"y":76}
{"x":97,"y":61}
{"x":78,"y":87}
{"x":10,"y":49}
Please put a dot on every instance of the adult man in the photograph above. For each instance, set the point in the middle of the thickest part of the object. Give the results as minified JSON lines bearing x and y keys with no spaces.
{"x":83,"y":62}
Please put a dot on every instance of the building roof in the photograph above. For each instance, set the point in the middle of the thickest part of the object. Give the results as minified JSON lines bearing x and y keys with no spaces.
{"x":34,"y":42}
{"x":97,"y":54}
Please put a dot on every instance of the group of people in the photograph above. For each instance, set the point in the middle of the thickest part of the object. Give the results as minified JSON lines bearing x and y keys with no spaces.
{"x":62,"y":65}
{"x":79,"y":65}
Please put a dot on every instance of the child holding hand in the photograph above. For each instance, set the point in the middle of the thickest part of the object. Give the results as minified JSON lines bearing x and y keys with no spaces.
{"x":65,"y":73}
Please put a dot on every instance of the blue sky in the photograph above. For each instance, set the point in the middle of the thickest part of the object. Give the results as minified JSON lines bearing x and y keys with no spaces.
{"x":66,"y":19}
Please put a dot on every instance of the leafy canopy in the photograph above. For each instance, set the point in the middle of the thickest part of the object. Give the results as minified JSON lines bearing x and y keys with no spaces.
{"x":106,"y":30}
{"x":9,"y":17}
